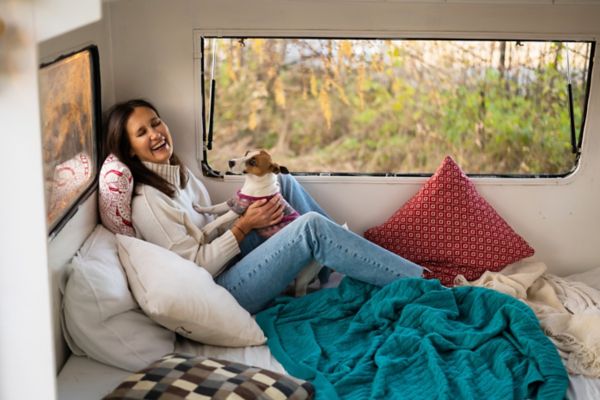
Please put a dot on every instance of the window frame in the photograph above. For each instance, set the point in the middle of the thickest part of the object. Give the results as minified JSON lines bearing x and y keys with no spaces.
{"x":55,"y":227}
{"x":200,"y":101}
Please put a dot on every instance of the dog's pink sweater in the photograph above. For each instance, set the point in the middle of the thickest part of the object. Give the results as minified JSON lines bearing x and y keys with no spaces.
{"x":240,"y":202}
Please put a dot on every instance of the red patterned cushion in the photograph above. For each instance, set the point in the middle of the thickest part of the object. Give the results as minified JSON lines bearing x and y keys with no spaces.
{"x":450,"y":229}
{"x":114,"y":198}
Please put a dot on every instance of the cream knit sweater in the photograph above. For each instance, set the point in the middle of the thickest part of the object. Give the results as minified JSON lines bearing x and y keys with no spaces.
{"x":175,"y":225}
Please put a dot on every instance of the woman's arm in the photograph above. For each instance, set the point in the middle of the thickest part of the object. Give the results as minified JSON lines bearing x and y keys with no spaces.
{"x":159,"y":220}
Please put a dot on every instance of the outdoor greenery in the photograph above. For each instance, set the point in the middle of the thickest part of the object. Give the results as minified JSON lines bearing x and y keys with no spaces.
{"x":400,"y":106}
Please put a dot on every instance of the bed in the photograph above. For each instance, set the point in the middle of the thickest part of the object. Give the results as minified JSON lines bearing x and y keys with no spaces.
{"x":83,"y":376}
{"x":127,"y":303}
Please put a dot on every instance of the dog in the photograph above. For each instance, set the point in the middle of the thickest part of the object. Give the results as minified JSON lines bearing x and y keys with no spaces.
{"x":260,"y":183}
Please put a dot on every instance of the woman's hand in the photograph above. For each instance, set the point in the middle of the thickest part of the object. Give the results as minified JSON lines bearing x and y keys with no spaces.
{"x":261,"y":213}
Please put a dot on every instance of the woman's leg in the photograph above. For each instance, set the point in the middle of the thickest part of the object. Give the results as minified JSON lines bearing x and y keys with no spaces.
{"x":303,"y":202}
{"x":297,"y":196}
{"x":266,"y":271}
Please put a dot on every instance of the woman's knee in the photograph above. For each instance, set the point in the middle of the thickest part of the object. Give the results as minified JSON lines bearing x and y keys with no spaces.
{"x":312,"y":218}
{"x":286,"y":179}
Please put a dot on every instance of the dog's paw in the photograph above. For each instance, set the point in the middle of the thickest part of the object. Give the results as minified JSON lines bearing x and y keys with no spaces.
{"x":202,"y":209}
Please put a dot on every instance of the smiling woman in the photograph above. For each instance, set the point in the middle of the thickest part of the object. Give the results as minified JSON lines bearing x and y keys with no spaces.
{"x":164,"y":213}
{"x":148,"y":140}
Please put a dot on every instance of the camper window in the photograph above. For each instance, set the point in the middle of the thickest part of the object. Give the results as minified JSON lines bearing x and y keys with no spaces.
{"x":69,"y":109}
{"x":396,"y":107}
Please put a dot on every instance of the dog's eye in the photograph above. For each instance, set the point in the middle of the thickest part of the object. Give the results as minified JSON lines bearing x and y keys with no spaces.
{"x":252,"y":162}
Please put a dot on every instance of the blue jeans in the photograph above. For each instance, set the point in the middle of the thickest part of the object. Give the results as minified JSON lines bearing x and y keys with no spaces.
{"x":266,"y":269}
{"x":297,"y":197}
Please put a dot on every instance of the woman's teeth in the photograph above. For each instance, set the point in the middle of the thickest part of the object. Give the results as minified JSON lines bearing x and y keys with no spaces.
{"x":159,"y":146}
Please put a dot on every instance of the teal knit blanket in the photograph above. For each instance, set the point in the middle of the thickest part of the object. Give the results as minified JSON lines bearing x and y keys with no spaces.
{"x":414,"y":339}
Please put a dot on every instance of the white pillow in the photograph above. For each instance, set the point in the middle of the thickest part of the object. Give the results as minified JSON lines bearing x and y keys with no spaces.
{"x":100,"y":316}
{"x":183,"y":297}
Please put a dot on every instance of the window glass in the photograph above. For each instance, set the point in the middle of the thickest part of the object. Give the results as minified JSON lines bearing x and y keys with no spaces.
{"x":397,"y":106}
{"x":68,"y":131}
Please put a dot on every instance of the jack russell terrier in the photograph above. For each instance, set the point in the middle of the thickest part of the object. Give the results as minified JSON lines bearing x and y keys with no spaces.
{"x":260,"y":183}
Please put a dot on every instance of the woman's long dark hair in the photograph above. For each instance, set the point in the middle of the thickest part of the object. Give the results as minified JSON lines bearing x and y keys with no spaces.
{"x":117,"y":143}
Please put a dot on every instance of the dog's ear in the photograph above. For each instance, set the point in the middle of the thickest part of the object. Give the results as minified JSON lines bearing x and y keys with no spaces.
{"x":279,"y":169}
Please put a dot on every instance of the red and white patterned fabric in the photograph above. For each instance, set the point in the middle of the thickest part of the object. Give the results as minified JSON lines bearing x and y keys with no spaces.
{"x":69,"y":180}
{"x":450,"y":229}
{"x":114,"y":199}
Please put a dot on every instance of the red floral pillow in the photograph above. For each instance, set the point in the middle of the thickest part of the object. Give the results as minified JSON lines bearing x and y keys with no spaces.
{"x":114,"y":197}
{"x":450,"y":229}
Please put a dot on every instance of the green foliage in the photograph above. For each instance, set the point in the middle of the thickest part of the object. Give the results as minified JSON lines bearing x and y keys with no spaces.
{"x":400,"y":107}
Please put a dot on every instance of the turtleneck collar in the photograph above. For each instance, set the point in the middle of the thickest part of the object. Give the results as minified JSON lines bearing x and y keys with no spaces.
{"x":169,"y":172}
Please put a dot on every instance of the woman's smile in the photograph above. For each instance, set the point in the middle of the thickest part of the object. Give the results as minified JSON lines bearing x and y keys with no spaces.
{"x":162,"y":145}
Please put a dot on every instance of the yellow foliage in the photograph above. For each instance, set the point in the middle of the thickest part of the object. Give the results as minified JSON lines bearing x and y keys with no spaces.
{"x":396,"y":86}
{"x":258,"y":45}
{"x":252,"y":120}
{"x":313,"y":85}
{"x":231,"y":72}
{"x":341,"y":93}
{"x":279,"y":93}
{"x":271,"y":72}
{"x":330,"y":66}
{"x":255,"y":105}
{"x":232,"y":68}
{"x":325,"y":106}
{"x":377,"y":63}
{"x":346,"y":48}
{"x":360,"y":84}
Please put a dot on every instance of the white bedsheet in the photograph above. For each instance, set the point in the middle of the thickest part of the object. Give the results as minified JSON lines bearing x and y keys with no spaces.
{"x":583,"y":388}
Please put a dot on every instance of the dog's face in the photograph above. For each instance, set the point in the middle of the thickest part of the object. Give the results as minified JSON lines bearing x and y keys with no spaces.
{"x":257,"y":162}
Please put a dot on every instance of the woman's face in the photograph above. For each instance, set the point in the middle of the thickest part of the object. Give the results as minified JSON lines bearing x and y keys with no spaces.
{"x":149,"y":136}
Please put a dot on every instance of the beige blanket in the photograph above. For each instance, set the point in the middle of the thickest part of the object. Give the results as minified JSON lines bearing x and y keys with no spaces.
{"x":569,"y":311}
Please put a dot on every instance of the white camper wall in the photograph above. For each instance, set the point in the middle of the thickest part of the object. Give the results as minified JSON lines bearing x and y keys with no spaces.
{"x":96,"y":33}
{"x":62,"y":247}
{"x":56,"y":17}
{"x":152,"y":58}
{"x":27,"y":359}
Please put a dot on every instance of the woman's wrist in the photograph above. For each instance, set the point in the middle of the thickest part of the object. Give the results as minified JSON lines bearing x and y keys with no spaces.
{"x":238,"y":232}
{"x":243,"y":225}
{"x":240,"y":229}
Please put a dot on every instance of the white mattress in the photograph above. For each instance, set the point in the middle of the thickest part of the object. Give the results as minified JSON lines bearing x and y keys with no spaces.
{"x":84,"y":379}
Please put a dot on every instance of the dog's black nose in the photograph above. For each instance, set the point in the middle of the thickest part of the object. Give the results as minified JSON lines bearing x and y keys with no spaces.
{"x":231,"y":163}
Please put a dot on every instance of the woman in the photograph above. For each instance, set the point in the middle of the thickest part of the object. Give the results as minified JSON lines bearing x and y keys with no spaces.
{"x":252,"y":269}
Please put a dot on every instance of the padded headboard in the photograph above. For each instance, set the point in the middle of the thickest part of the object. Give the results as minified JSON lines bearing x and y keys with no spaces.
{"x":61,"y":249}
